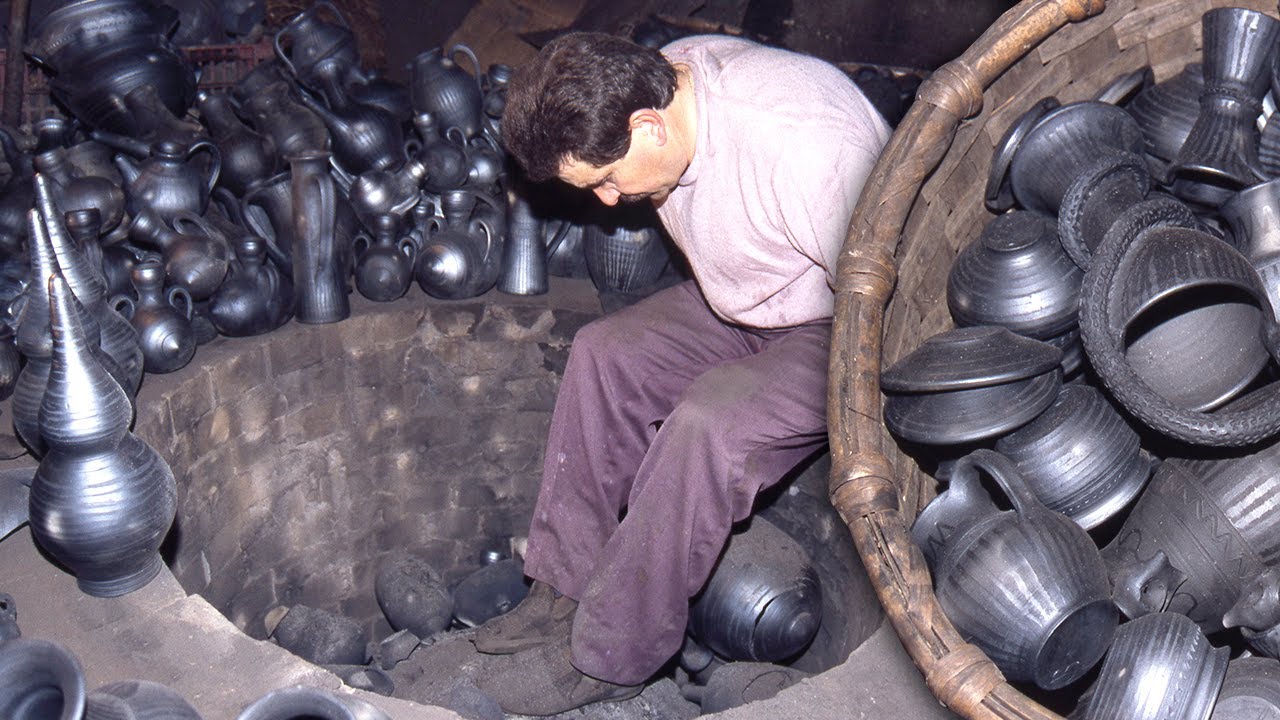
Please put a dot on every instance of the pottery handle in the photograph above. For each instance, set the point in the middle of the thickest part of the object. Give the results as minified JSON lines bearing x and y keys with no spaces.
{"x":361,"y":243}
{"x":280,"y":53}
{"x":177,"y":293}
{"x":1003,"y":471}
{"x":999,"y":194}
{"x":488,"y":237}
{"x":475,"y":62}
{"x":336,"y":12}
{"x":1123,"y":88}
{"x":409,"y":248}
{"x":215,"y":169}
{"x":124,"y":305}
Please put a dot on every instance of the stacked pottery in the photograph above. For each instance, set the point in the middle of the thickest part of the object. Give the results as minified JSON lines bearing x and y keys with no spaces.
{"x":1257,"y":613}
{"x":1027,"y":585}
{"x":247,"y":155}
{"x":462,"y":257}
{"x":1206,"y":527}
{"x":1177,"y":323}
{"x":99,"y":51}
{"x":319,"y":265}
{"x":1166,"y":112}
{"x":970,"y":384}
{"x":166,"y":180}
{"x":1017,"y":275}
{"x":256,"y":297}
{"x":445,"y":90}
{"x":162,"y":319}
{"x":79,"y":260}
{"x":1221,"y":149}
{"x":524,"y":263}
{"x":763,"y":601}
{"x":42,"y":680}
{"x":384,"y":263}
{"x":194,"y":258}
{"x":1079,"y":457}
{"x":1162,"y":447}
{"x":316,"y":51}
{"x":34,"y":337}
{"x":625,"y":249}
{"x":362,"y":137}
{"x":102,"y":500}
{"x":1040,"y":157}
{"x":1159,"y":666}
{"x":1250,"y":689}
{"x":1253,"y":218}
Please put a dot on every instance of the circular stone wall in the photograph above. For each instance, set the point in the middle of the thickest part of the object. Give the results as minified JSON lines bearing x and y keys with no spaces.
{"x":306,"y":455}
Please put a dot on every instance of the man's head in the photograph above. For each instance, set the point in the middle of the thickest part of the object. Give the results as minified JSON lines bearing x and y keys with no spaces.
{"x":590,"y":111}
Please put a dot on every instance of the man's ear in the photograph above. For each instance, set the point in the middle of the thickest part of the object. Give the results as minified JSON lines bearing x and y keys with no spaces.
{"x":650,"y":121}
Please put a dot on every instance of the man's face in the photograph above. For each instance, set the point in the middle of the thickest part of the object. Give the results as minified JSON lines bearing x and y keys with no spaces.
{"x":649,"y":171}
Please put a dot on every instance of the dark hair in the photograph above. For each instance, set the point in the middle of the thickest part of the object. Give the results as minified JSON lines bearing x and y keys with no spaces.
{"x":574,"y":101}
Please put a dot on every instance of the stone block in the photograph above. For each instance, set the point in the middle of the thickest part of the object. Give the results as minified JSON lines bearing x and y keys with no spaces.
{"x":554,"y":357}
{"x":392,"y":323}
{"x":252,"y":413}
{"x":567,"y":323}
{"x":307,"y":384}
{"x":311,"y":421}
{"x":154,"y":423}
{"x":425,"y":494}
{"x":464,"y":494}
{"x":301,"y":346}
{"x":381,"y":366}
{"x":454,"y":319}
{"x":238,"y":374}
{"x":514,"y":323}
{"x":533,"y":393}
{"x":191,"y":400}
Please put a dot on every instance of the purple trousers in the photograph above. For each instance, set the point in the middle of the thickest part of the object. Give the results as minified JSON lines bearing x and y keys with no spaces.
{"x":667,"y":424}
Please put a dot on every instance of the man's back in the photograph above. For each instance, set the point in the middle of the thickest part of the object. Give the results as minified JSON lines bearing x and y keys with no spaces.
{"x":784,"y":143}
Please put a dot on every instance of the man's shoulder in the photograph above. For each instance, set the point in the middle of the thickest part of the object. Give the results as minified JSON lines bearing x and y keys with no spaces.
{"x":725,"y":53}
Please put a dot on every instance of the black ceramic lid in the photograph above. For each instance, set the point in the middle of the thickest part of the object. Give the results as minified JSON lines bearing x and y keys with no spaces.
{"x":972,"y":357}
{"x":962,"y":416}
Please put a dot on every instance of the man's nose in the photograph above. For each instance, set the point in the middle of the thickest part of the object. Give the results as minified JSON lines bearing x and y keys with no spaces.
{"x":608,"y":196}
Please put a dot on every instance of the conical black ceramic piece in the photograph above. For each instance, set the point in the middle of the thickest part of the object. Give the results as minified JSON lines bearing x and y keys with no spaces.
{"x":1079,"y":456}
{"x":967,"y":358}
{"x":1016,"y":275}
{"x":953,"y":417}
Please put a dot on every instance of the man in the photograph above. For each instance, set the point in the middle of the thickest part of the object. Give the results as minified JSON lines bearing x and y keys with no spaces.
{"x":676,"y":411}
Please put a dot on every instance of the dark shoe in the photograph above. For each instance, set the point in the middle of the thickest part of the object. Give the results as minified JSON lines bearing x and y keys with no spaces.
{"x":543,"y":616}
{"x":543,"y":681}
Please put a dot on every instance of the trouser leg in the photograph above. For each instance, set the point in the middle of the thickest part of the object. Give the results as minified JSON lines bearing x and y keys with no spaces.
{"x":625,"y":372}
{"x":737,"y":429}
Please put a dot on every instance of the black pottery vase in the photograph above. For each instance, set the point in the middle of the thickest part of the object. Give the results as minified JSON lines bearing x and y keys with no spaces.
{"x":1222,"y":147}
{"x":40,"y":680}
{"x":319,"y":271}
{"x":102,"y":499}
{"x":1027,"y":585}
{"x":162,"y":319}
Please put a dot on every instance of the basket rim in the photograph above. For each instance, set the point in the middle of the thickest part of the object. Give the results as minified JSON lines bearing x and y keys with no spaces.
{"x":862,"y":483}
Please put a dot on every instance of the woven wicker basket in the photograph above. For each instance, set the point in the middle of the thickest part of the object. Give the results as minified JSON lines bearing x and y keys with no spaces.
{"x":922,"y":203}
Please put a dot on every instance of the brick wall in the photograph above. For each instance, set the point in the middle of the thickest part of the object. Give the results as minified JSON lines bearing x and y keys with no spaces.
{"x":306,"y":455}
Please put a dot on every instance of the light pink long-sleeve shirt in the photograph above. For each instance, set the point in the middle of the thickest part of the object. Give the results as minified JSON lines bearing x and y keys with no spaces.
{"x":784,"y":144}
